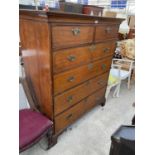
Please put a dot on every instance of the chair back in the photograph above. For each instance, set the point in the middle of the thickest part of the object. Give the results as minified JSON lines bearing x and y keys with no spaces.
{"x":124,"y":63}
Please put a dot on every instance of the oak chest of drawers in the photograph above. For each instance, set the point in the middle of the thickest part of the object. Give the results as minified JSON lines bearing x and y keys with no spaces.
{"x":67,"y":58}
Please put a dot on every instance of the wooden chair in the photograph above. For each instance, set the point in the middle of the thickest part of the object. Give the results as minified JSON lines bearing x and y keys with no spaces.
{"x":114,"y":81}
{"x":126,"y":68}
{"x":32,"y":124}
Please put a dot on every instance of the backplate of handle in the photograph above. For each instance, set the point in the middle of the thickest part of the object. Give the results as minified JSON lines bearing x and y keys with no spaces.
{"x":69,"y":116}
{"x":100,"y":82}
{"x":98,"y":98}
{"x":71,"y":58}
{"x":90,"y":66}
{"x":70,"y":99}
{"x":106,"y":50}
{"x":108,"y":30}
{"x":92,"y":48}
{"x":103,"y":66}
{"x":76,"y":31}
{"x":71,"y":79}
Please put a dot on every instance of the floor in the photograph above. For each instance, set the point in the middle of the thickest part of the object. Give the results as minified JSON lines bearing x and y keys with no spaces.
{"x":91,"y":134}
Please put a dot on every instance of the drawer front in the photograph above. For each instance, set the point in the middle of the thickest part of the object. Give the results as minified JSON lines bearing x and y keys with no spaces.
{"x":71,"y":115}
{"x":71,"y":78}
{"x":71,"y":97}
{"x":68,"y":36}
{"x":106,"y":32}
{"x":70,"y":58}
{"x":103,"y":50}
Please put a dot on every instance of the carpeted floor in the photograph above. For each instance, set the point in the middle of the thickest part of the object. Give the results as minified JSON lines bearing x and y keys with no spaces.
{"x":91,"y":134}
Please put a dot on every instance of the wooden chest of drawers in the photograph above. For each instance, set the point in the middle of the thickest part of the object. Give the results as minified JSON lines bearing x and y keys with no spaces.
{"x":67,"y":58}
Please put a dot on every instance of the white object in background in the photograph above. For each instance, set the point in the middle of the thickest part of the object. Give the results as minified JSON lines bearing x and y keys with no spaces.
{"x":124,"y":28}
{"x":91,"y":13}
{"x":52,"y":4}
{"x":121,"y":15}
{"x":115,"y":84}
{"x":100,"y":14}
{"x":42,"y":3}
{"x":124,"y":74}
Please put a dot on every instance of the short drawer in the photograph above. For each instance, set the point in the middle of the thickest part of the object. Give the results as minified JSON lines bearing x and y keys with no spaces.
{"x":68,"y":36}
{"x":102,"y":50}
{"x":68,"y":117}
{"x":104,"y":32}
{"x":72,"y":57}
{"x":71,"y":78}
{"x":72,"y":96}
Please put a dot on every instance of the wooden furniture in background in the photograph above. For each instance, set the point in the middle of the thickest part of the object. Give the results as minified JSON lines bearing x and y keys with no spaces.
{"x":92,"y":10}
{"x":71,"y":7}
{"x":67,"y":58}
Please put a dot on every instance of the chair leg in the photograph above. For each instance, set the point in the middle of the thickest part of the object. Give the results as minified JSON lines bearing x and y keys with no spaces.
{"x":117,"y":89}
{"x":52,"y":140}
{"x":128,"y":82}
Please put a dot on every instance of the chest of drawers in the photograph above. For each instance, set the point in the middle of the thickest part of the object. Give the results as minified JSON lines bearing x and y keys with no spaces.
{"x":67,"y":58}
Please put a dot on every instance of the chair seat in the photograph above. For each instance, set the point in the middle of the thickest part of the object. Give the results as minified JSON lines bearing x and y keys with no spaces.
{"x":123,"y":73}
{"x":32,"y":125}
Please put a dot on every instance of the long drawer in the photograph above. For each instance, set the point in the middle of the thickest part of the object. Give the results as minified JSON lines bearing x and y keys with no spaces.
{"x":67,"y":36}
{"x":69,"y":116}
{"x":71,"y":97}
{"x":71,"y":78}
{"x":72,"y":57}
{"x":104,"y":32}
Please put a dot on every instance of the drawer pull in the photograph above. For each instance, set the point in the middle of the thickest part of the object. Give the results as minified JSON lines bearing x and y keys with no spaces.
{"x":92,"y":48}
{"x":106,"y":50}
{"x":85,"y":100}
{"x":69,"y":116}
{"x":71,"y":79}
{"x":100,"y":82}
{"x":97,"y":99}
{"x":108,"y":30}
{"x":88,"y":83}
{"x":70,"y":99}
{"x":103,"y":66}
{"x":71,"y":58}
{"x":76,"y":31}
{"x":90,"y":66}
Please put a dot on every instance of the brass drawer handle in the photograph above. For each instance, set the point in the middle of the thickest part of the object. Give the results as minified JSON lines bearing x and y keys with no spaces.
{"x":108,"y":30}
{"x":69,"y":99}
{"x":85,"y":100}
{"x":71,"y":79}
{"x":76,"y":31}
{"x":106,"y":50}
{"x":100,"y":82}
{"x":71,"y":58}
{"x":97,"y":99}
{"x":69,"y":116}
{"x":92,"y":48}
{"x":90,"y":66}
{"x":87,"y":82}
{"x":103,"y":66}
